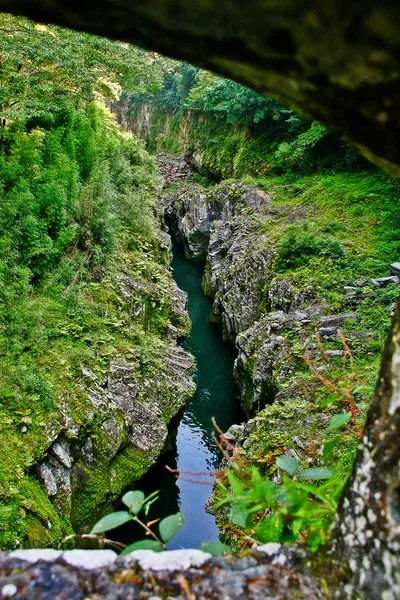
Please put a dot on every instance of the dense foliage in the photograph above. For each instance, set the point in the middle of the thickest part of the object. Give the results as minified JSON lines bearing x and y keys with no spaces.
{"x":76,"y":208}
{"x":64,"y":190}
{"x":40,"y":66}
{"x":248,"y":133}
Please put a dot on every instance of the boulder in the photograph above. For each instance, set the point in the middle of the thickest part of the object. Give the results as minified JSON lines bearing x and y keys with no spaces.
{"x":395,"y":269}
{"x":382,"y":282}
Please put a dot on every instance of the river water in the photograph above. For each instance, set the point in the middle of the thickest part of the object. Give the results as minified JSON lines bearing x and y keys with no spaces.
{"x":194,"y":449}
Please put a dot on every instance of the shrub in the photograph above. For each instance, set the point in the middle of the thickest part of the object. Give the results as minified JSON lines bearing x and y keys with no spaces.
{"x":296,"y":247}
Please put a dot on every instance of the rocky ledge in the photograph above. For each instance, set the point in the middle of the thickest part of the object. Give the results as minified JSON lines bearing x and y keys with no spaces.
{"x":270,"y":572}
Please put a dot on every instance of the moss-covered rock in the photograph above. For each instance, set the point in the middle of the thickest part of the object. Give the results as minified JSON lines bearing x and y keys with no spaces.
{"x":118,"y":377}
{"x":282,"y":308}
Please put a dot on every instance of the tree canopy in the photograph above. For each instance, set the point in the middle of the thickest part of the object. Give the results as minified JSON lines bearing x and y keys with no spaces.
{"x":42,"y":64}
{"x":278,"y":136}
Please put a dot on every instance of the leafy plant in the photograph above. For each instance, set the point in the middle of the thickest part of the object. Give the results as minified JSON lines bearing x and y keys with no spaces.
{"x":295,"y":510}
{"x":136,"y":502}
{"x":296,"y":247}
{"x":43,"y":65}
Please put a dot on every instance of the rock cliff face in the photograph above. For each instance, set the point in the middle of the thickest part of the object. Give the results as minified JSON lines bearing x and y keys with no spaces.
{"x":219,"y":227}
{"x":84,"y":473}
{"x":114,"y":425}
{"x":256,"y":309}
{"x":269,"y":316}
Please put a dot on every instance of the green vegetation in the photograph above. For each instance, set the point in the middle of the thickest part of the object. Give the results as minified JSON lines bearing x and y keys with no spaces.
{"x":76,"y":222}
{"x":231,"y":131}
{"x":298,"y":246}
{"x":136,"y":502}
{"x":333,"y":225}
{"x":85,"y":286}
{"x":316,"y":419}
{"x":44,"y":65}
{"x":294,"y":510}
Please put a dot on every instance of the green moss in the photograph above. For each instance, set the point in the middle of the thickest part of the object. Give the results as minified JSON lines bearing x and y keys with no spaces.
{"x":28,"y":517}
{"x":97,"y":486}
{"x":129,"y":466}
{"x":248,"y":385}
{"x":54,"y":330}
{"x":38,"y":536}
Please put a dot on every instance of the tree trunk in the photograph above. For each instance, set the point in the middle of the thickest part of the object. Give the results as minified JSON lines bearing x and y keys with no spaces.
{"x":367,"y":530}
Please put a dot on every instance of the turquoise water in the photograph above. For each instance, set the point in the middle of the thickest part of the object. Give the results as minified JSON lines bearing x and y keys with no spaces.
{"x":194,"y":449}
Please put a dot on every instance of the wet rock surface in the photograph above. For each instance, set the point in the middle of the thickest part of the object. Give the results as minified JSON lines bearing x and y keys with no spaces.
{"x":215,"y":226}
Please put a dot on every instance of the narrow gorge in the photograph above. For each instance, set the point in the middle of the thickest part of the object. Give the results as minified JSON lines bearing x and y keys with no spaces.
{"x":198,"y":294}
{"x":273,"y":321}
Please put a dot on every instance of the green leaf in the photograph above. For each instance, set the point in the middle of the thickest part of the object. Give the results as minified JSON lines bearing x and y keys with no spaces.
{"x":263,"y":489}
{"x":315,"y":473}
{"x":289,"y":464}
{"x":338,"y":421}
{"x":143,"y":545}
{"x":221,"y":486}
{"x":216,"y":548}
{"x":170,"y":526}
{"x":257,"y":479}
{"x":111,"y":521}
{"x":240,"y":514}
{"x":270,"y":530}
{"x":330,"y":400}
{"x":362,"y":388}
{"x":134,"y":501}
{"x":235,"y":483}
{"x":329,"y":447}
{"x":290,"y":493}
